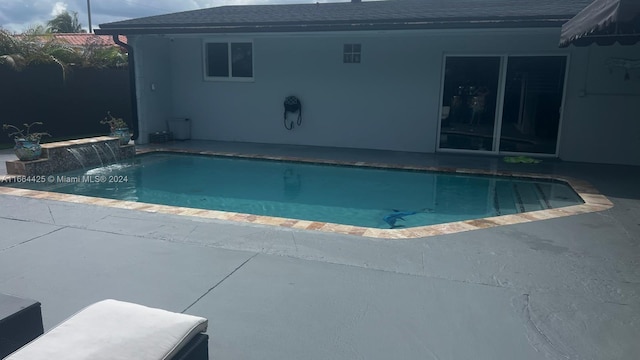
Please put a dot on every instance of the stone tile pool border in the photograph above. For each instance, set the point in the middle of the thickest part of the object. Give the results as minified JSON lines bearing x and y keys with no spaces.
{"x":593,"y":201}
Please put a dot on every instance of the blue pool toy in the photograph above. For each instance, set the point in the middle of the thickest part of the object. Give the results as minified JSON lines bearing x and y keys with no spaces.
{"x":397,"y":215}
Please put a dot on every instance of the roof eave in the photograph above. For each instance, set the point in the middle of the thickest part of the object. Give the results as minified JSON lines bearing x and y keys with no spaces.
{"x":355,"y":26}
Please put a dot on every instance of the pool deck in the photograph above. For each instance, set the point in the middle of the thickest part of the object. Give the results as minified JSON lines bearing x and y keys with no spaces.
{"x":562,"y":288}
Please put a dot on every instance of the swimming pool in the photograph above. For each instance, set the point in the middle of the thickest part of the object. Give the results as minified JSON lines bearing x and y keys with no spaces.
{"x":364,"y":197}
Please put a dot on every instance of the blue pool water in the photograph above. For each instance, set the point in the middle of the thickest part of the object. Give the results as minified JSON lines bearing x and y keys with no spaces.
{"x":368,"y":197}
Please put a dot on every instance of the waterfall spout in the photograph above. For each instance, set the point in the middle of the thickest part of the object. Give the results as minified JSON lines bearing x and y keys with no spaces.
{"x":76,"y":154}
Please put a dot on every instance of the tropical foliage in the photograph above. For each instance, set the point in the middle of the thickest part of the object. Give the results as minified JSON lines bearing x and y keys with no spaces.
{"x":19,"y":51}
{"x":37,"y":29}
{"x":65,"y":22}
{"x":94,"y":54}
{"x":39,"y":45}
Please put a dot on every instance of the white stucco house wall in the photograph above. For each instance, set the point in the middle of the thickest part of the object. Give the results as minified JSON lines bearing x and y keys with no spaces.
{"x":387,"y":75}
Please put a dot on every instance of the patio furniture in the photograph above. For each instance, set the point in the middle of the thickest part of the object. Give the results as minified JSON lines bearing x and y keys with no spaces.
{"x":112,"y":329}
{"x":20,"y":322}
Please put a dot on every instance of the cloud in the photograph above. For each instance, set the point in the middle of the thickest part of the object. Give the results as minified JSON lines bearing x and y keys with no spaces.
{"x":22,"y":12}
{"x":58,"y":8}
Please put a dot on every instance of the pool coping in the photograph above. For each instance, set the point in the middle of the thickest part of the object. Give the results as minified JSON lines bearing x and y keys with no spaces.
{"x":593,"y":200}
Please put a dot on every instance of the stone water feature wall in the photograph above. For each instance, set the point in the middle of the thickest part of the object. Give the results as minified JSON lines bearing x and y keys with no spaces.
{"x":70,"y":155}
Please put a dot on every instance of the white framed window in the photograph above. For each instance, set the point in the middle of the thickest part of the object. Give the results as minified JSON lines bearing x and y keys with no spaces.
{"x":228,"y":60}
{"x":352,"y":53}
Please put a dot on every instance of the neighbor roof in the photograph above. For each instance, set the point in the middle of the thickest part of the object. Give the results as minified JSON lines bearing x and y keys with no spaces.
{"x":368,"y":15}
{"x":76,"y":39}
{"x":86,"y":39}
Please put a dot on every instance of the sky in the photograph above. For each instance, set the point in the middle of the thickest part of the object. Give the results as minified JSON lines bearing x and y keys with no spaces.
{"x":18,"y":15}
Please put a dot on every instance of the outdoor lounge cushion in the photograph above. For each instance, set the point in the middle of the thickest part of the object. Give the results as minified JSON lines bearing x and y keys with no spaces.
{"x":115,"y":330}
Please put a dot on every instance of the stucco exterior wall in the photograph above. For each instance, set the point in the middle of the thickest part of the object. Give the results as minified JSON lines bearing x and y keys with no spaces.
{"x":389,"y":101}
{"x":381,"y":103}
{"x":153,"y":83}
{"x":602,"y":109}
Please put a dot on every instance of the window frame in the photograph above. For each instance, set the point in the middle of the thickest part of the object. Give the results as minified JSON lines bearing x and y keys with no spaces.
{"x":229,"y":77}
{"x":351,"y":54}
{"x":504,"y":56}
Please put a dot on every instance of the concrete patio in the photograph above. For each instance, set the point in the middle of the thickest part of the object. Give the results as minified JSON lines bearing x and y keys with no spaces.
{"x":565,"y":288}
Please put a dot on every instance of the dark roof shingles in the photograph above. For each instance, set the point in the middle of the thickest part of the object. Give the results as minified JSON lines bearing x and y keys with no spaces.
{"x":394,"y":10}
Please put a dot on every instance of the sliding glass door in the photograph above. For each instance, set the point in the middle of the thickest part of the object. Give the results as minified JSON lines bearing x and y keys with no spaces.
{"x":502,"y":104}
{"x":532,"y":101}
{"x":469,"y":103}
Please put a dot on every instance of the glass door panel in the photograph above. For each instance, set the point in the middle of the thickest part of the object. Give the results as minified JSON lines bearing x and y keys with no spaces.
{"x":532,"y":100}
{"x":469,"y":102}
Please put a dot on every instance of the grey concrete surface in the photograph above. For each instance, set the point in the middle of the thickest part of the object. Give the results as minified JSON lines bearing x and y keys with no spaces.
{"x":6,"y":155}
{"x":566,"y":288}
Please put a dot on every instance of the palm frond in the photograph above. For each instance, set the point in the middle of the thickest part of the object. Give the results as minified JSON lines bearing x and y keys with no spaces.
{"x":65,"y":22}
{"x":9,"y":44}
{"x":36,"y":30}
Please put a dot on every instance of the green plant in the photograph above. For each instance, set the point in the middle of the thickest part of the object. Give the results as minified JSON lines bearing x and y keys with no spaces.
{"x":114,"y":122}
{"x":95,"y":54}
{"x":37,"y":46}
{"x":25,"y":133}
{"x":18,"y":52}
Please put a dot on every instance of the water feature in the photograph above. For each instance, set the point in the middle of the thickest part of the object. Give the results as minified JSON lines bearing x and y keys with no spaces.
{"x":95,"y":148}
{"x":109,"y":145}
{"x":73,"y":154}
{"x":76,"y":154}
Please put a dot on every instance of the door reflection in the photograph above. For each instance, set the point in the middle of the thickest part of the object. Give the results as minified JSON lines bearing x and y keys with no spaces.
{"x":469,"y":103}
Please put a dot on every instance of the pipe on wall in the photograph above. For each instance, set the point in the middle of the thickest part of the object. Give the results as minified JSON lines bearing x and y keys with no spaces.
{"x":132,"y":84}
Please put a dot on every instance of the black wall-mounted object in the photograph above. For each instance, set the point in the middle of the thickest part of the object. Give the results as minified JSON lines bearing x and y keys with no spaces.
{"x":292,"y":105}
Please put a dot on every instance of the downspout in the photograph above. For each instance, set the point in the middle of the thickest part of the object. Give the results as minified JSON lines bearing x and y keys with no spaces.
{"x":132,"y":84}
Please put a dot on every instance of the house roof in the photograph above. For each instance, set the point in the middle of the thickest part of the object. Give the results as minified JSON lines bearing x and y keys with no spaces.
{"x":86,"y":39}
{"x":367,"y":15}
{"x":79,"y":39}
